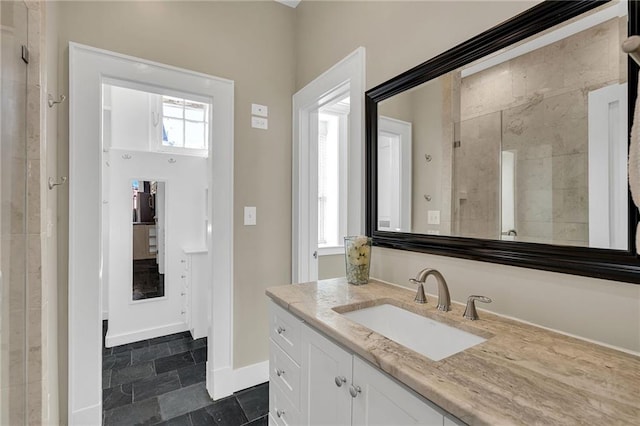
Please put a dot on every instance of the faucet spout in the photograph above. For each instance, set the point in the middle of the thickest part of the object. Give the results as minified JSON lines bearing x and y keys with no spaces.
{"x":444,"y":299}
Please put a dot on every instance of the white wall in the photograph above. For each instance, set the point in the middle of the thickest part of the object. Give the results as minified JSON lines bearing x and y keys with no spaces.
{"x":185,"y":183}
{"x":130,"y":118}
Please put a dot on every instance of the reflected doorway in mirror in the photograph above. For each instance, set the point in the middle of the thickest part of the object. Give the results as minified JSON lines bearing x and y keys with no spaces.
{"x":149,"y":212}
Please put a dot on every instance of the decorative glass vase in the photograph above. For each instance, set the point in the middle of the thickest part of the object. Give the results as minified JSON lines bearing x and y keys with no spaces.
{"x":357,"y":258}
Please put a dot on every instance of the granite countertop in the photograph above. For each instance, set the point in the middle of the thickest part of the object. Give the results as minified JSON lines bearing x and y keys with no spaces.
{"x":522,"y":374}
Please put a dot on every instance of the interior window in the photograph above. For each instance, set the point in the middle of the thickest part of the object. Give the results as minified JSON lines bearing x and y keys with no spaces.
{"x":185,"y":123}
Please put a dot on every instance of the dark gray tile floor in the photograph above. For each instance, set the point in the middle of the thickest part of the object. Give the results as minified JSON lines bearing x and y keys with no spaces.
{"x":162,"y":381}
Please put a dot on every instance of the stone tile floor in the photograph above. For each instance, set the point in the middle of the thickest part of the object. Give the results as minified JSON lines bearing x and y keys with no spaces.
{"x":162,"y":381}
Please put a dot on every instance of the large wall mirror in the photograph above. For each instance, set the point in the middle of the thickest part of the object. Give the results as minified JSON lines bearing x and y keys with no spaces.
{"x":512,"y":147}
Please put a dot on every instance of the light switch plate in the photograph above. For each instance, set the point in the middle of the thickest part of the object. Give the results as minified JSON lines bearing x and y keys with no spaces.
{"x":249,"y":215}
{"x":433,"y":217}
{"x":259,"y":110}
{"x":259,"y":123}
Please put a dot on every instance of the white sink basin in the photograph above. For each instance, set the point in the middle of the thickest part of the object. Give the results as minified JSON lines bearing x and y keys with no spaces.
{"x":423,"y":335}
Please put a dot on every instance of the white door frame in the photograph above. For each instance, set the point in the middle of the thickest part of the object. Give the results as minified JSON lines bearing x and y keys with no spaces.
{"x":87,"y":68}
{"x":349,"y":71}
{"x":607,"y":167}
{"x":403,"y":130}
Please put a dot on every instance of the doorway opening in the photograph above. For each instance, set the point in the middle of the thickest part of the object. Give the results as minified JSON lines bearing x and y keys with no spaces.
{"x":94,"y":218}
{"x":328,"y":168}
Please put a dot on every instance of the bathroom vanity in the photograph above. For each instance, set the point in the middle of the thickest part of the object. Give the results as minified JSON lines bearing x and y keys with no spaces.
{"x":326,"y":368}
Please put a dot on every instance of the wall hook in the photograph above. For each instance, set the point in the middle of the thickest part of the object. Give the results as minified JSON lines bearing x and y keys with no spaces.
{"x":427,"y":157}
{"x":53,"y":183}
{"x":51,"y":102}
{"x":171,"y":161}
{"x":427,"y":197}
{"x":126,"y":157}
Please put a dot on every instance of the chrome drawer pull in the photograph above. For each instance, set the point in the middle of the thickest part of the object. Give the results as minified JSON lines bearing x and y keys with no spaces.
{"x":354,"y":390}
{"x":340,"y":380}
{"x":281,"y":330}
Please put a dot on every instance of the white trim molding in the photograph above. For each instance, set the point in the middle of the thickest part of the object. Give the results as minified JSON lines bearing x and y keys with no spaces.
{"x":607,"y":167}
{"x":149,"y":333}
{"x":88,"y":67}
{"x":349,"y":72}
{"x":229,"y":380}
{"x":290,"y":3}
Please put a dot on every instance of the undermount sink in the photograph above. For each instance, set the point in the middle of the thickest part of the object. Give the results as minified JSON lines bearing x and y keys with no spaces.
{"x":428,"y":337}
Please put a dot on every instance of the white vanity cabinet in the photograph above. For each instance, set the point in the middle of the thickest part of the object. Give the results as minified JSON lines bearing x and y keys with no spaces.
{"x":327,"y":372}
{"x":285,"y":344}
{"x":382,"y":401}
{"x":328,"y":385}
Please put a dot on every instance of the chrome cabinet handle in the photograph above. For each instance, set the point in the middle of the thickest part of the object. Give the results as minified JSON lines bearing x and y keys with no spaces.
{"x":340,"y":380}
{"x":281,"y":330}
{"x":354,"y":390}
{"x":279,"y":372}
{"x":280,"y":413}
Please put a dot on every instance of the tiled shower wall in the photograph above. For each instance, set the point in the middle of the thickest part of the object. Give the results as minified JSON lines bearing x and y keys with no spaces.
{"x":20,"y":333}
{"x":536,"y":105}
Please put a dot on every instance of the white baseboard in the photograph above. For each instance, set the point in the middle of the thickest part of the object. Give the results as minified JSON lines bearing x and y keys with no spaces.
{"x":91,"y":415}
{"x":226,"y":381}
{"x":149,"y":333}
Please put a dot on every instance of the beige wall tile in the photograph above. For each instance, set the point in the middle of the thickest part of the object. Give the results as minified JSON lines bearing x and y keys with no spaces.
{"x":33,"y":196}
{"x":574,"y":232}
{"x":17,"y":404}
{"x":571,"y":205}
{"x":570,"y":171}
{"x":34,"y":261}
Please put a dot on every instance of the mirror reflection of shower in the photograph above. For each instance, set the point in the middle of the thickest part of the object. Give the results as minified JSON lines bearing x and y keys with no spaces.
{"x":148,"y":221}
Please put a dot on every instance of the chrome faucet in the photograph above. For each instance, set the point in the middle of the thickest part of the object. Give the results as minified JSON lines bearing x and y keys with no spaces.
{"x":444,"y":300}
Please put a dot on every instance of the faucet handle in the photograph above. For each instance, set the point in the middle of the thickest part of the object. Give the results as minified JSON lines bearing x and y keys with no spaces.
{"x":420,"y":296}
{"x":470,"y":312}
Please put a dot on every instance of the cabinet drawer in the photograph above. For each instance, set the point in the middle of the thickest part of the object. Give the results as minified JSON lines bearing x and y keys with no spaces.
{"x":281,"y":411}
{"x":286,"y":373}
{"x":285,"y":330}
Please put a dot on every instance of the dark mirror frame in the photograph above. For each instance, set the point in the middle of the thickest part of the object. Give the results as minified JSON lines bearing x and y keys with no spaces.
{"x":621,"y":265}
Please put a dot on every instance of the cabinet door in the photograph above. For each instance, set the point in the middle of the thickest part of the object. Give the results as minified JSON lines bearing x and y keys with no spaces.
{"x":326,"y":376}
{"x":382,"y":401}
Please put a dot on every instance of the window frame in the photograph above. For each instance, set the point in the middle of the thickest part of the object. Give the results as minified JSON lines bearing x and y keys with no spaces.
{"x":157,"y":125}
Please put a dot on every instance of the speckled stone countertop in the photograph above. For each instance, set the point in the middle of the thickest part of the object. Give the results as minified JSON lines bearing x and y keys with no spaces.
{"x":522,"y":374}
